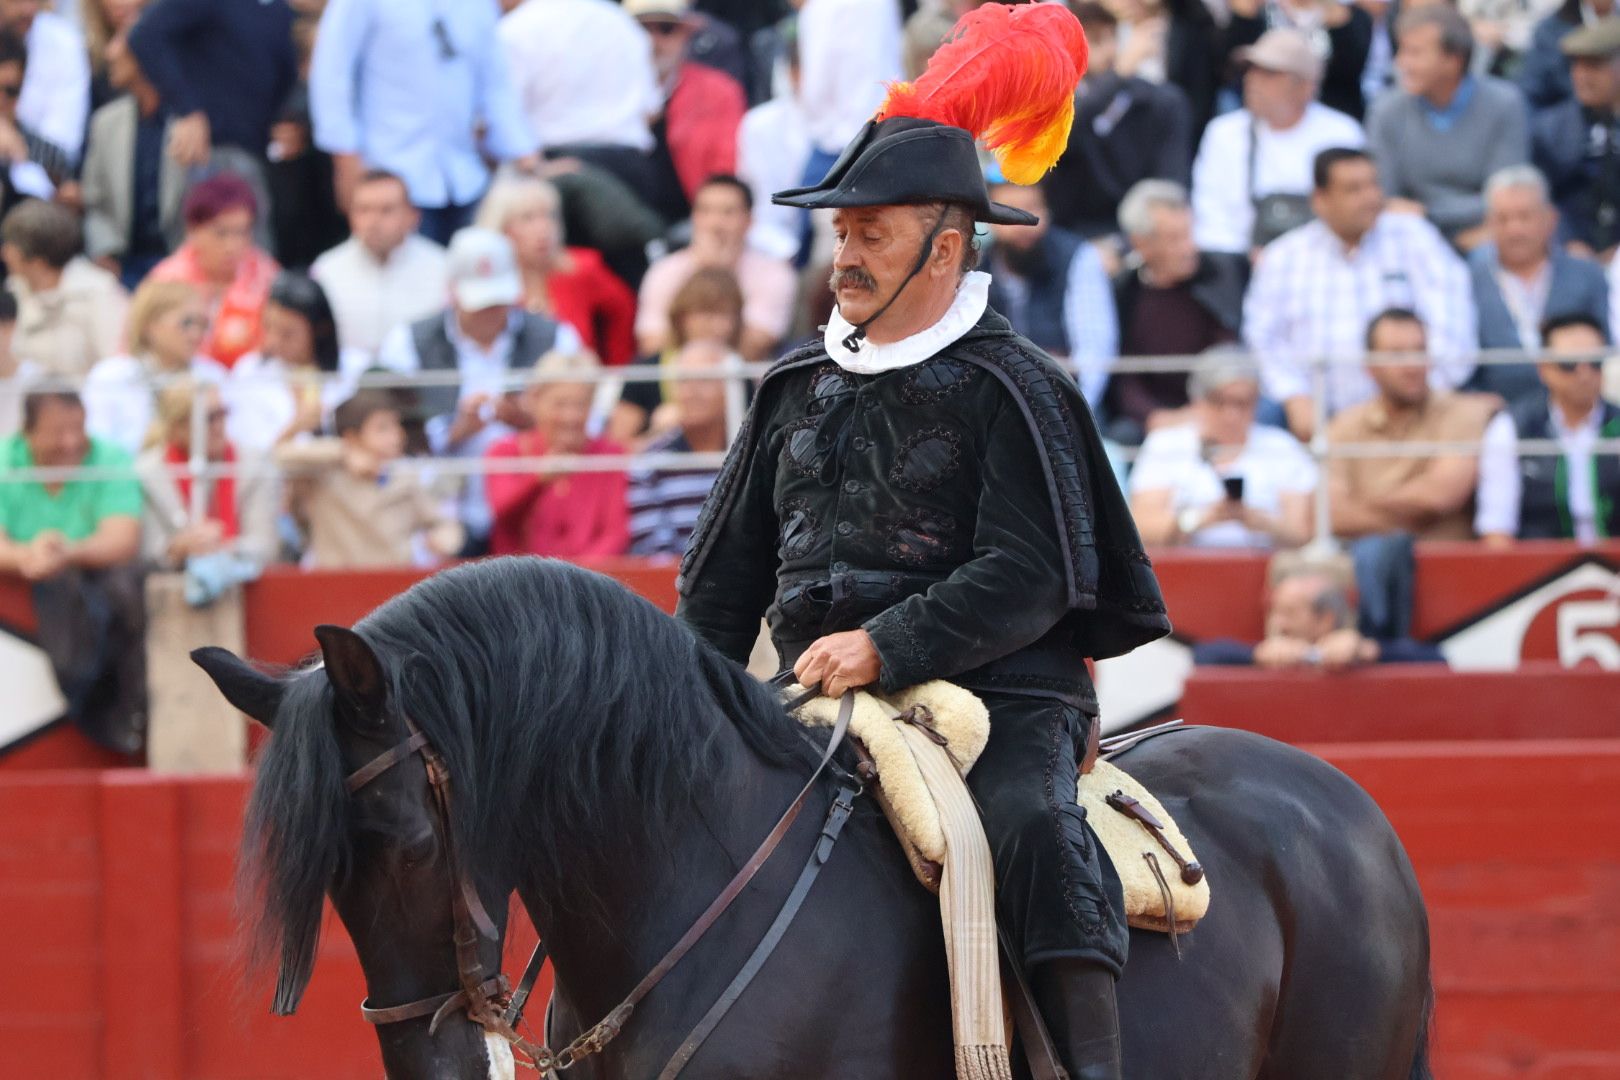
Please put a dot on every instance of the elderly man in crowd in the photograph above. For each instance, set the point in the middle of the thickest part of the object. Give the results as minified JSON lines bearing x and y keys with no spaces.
{"x":722,"y":214}
{"x":1576,"y":493}
{"x":384,"y":274}
{"x":1521,"y":279}
{"x":1172,"y":300}
{"x":1576,"y":143}
{"x":1311,"y":623}
{"x":77,"y":542}
{"x":485,"y":336}
{"x":1252,"y":178}
{"x":1317,"y":289}
{"x":1052,"y":288}
{"x":1445,"y":131}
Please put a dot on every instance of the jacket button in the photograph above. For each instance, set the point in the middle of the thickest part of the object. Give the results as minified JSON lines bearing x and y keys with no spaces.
{"x":859,"y":442}
{"x":845,"y":528}
{"x":852,"y":487}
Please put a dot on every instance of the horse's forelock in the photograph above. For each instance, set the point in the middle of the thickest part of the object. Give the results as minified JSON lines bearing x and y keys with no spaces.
{"x":295,"y":837}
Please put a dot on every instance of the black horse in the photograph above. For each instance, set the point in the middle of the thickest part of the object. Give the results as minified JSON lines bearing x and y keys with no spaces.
{"x":615,"y":772}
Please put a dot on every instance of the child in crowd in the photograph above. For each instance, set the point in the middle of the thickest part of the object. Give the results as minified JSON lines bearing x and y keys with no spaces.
{"x":357,"y":507}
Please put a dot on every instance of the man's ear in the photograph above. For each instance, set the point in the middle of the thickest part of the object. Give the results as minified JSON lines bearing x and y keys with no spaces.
{"x":947,"y":254}
{"x":354,"y":671}
{"x":244,"y":686}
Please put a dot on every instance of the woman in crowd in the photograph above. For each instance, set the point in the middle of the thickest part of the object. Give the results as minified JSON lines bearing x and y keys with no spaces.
{"x":709,"y":307}
{"x":550,"y":511}
{"x":238,"y":511}
{"x":1221,"y":480}
{"x":104,"y":20}
{"x":167,"y":323}
{"x":570,"y":284}
{"x":289,"y":389}
{"x":219,"y":257}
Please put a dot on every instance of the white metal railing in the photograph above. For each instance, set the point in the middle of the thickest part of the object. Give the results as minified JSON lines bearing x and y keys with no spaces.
{"x":737,"y":373}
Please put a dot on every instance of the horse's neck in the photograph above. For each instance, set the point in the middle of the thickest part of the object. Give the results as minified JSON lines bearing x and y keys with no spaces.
{"x":608,"y":925}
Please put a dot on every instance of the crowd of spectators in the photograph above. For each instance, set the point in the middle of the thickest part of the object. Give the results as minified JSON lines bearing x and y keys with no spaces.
{"x":218,"y":218}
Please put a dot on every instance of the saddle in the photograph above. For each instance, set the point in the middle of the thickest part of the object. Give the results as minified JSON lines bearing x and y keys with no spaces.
{"x":1164,"y":885}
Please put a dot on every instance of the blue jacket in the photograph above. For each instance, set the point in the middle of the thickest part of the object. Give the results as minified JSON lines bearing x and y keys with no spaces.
{"x":1577,"y":287}
{"x":1558,"y":144}
{"x":1544,"y":70}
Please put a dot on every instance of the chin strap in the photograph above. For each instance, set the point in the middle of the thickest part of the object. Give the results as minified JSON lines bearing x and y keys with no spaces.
{"x":852,"y":340}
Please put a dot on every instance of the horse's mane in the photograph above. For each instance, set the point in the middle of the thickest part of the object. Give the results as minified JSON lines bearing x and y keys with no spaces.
{"x":564,"y":705}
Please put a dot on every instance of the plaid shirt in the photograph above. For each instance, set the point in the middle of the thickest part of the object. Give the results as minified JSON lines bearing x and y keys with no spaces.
{"x":1312,"y":299}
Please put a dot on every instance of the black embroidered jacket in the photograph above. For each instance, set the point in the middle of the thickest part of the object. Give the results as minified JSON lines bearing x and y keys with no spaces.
{"x":961,"y":510}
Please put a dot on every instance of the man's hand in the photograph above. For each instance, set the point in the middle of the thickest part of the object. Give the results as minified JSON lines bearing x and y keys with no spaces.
{"x":469,"y":419}
{"x":1281,"y":652}
{"x":840,"y":662}
{"x":45,"y":557}
{"x":190,"y":140}
{"x":346,"y":172}
{"x":1346,"y":648}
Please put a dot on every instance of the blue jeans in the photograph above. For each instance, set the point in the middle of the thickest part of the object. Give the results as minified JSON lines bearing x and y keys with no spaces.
{"x":1385,"y":578}
{"x":440,"y":223}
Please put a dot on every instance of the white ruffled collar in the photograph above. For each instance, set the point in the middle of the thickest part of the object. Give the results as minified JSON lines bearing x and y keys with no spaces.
{"x":972,"y":297}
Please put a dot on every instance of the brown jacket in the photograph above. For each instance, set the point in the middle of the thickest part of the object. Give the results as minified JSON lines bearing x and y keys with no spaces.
{"x":358,"y":521}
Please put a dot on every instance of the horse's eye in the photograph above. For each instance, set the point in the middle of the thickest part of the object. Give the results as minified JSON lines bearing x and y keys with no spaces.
{"x":418,"y":851}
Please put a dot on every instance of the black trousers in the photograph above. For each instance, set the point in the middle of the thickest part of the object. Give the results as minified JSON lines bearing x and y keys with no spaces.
{"x":92,"y":626}
{"x":1057,"y":894}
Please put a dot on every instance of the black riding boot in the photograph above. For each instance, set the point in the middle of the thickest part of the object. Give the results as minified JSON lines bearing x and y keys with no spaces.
{"x":1076,"y":1000}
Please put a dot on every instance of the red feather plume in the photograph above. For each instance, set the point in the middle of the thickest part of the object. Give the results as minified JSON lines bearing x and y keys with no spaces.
{"x":1008,"y":75}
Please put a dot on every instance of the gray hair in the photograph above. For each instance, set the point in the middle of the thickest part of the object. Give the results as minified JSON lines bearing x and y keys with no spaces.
{"x":512,"y":194}
{"x":1221,"y":366}
{"x":1517,"y":178}
{"x":1456,"y":36}
{"x":1333,"y":598}
{"x":1136,"y":208}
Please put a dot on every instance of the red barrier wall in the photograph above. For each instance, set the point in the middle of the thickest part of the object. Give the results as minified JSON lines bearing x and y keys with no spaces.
{"x":122,"y":952}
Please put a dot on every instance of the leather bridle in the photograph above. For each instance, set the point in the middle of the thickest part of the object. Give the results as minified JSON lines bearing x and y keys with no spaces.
{"x":489,"y":999}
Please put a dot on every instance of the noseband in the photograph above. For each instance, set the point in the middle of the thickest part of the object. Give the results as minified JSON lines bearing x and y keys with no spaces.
{"x":489,"y":1000}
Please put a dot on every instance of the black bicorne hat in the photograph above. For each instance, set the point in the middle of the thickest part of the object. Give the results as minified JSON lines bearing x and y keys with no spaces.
{"x":902,"y":161}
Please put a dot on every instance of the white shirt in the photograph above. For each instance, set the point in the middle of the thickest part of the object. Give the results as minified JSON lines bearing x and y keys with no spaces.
{"x":1525,"y":301}
{"x":55,"y":101}
{"x":583,"y":71}
{"x":261,"y":401}
{"x":1223,"y":192}
{"x":119,"y":398}
{"x":1611,"y":366}
{"x":371,"y":298}
{"x":972,"y":297}
{"x":483,"y":371}
{"x":1272,"y":464}
{"x":1310,"y":299}
{"x":773,"y":144}
{"x":382,"y":84}
{"x":1501,"y":487}
{"x":848,"y":49}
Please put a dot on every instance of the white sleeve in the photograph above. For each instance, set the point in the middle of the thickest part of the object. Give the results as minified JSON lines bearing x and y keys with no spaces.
{"x":1497,"y":499}
{"x":1222,"y":215}
{"x":1091,"y":322}
{"x":1155,"y":468}
{"x":398,"y":352}
{"x":1265,"y":329}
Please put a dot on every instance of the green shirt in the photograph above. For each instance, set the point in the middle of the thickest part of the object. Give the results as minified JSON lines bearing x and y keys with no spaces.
{"x":77,"y":509}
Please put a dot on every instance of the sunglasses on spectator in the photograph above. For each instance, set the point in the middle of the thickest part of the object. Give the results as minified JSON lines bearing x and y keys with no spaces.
{"x":11,"y":90}
{"x":661,"y":27}
{"x":1570,"y":367}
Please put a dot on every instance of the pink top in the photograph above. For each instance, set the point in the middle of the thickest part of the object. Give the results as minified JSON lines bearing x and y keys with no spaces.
{"x":581,"y":515}
{"x":236,"y":320}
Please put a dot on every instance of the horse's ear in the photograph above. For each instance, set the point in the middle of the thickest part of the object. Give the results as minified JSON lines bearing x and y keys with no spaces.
{"x":354,"y":671}
{"x":244,"y":686}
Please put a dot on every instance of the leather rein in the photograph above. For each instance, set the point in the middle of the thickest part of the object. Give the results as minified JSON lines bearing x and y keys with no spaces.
{"x":489,"y":999}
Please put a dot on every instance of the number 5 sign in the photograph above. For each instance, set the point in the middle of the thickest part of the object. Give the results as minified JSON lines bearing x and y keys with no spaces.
{"x":1573,"y":619}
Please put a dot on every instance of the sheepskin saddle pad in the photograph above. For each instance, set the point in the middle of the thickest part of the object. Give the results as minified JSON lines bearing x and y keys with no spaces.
{"x":1165,"y":888}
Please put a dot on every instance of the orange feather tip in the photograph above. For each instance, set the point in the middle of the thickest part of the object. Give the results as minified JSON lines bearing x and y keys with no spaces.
{"x":1008,"y":76}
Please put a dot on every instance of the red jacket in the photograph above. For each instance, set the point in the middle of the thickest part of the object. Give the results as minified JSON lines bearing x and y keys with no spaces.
{"x":700,"y":124}
{"x":580,"y":515}
{"x":593,"y":300}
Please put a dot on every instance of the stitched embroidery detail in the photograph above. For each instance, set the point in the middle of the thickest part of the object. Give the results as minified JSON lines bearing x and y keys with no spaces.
{"x":919,"y":537}
{"x":936,"y":380}
{"x":927,"y":459}
{"x":800,"y":529}
{"x":799,"y":446}
{"x":827,"y":386}
{"x":1067,"y":856}
{"x":914,"y":664}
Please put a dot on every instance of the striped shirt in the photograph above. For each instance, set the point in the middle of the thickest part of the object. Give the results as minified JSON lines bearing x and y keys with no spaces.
{"x":664,"y":503}
{"x":1310,"y":298}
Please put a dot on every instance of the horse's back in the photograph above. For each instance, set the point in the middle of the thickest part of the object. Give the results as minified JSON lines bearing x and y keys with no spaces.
{"x":1313,"y":958}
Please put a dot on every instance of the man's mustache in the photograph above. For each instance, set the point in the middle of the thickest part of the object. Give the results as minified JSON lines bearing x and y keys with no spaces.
{"x":852,"y":277}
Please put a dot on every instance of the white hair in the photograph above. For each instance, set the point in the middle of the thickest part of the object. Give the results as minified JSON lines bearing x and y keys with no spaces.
{"x":1136,"y":208}
{"x":1218,"y":367}
{"x":1517,"y":178}
{"x":514,"y":193}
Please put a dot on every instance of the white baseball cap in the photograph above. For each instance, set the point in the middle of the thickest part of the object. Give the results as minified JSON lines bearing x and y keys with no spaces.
{"x":483,"y":270}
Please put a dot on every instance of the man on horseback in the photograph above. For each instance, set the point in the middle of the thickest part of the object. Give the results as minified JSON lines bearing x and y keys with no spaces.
{"x":923,"y":494}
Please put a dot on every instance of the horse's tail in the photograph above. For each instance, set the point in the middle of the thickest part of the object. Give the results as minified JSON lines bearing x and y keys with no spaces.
{"x":1420,"y":1056}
